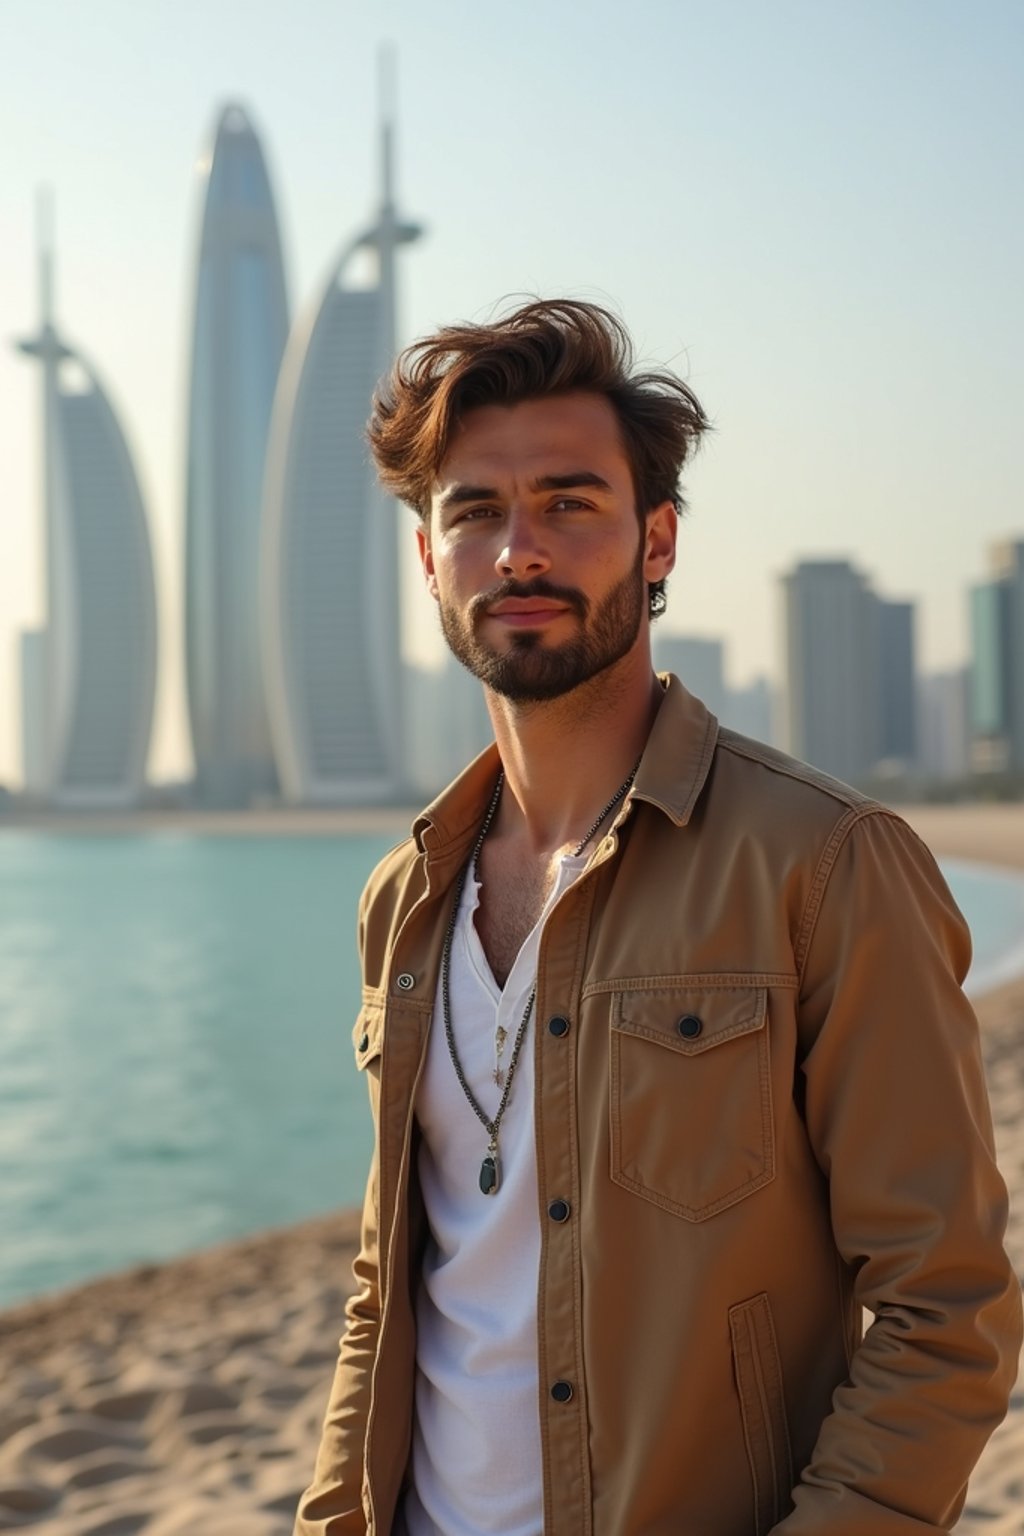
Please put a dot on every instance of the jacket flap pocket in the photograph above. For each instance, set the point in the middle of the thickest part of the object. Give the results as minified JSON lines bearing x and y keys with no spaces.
{"x":691,"y":1019}
{"x":368,"y":1033}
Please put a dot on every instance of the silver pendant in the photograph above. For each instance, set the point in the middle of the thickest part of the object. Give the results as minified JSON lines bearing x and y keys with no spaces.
{"x":490,"y":1174}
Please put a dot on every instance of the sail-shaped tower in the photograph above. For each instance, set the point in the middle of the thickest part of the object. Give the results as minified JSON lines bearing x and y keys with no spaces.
{"x":88,"y":704}
{"x":239,"y":334}
{"x":330,"y":567}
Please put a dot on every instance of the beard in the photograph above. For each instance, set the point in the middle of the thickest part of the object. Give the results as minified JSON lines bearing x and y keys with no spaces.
{"x":532,"y":671}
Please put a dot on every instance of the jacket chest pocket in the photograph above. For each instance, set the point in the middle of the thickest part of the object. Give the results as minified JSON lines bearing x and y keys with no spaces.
{"x":690,"y":1096}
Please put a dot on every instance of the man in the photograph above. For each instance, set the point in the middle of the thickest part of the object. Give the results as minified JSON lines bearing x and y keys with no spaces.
{"x":671,"y":1070}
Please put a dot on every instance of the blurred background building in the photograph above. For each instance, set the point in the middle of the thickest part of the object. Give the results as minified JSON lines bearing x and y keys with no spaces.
{"x":88,"y":678}
{"x":944,"y":726}
{"x":700,"y":663}
{"x":331,"y":575}
{"x":997,"y":664}
{"x":239,"y":332}
{"x":850,"y":695}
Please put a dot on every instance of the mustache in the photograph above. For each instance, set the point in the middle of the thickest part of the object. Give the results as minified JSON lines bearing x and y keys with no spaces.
{"x":539,"y":587}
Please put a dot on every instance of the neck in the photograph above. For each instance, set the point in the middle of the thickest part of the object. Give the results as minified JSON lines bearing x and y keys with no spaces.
{"x":564,"y":758}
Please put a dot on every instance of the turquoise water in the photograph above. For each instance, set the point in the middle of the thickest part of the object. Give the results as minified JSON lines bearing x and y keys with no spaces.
{"x":175,"y":1040}
{"x":175,"y":1045}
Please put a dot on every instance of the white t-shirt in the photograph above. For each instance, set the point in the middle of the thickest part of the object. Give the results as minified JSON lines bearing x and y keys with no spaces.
{"x":476,"y":1457}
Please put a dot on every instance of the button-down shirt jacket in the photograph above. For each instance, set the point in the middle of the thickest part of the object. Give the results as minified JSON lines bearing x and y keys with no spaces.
{"x":758,"y":1089}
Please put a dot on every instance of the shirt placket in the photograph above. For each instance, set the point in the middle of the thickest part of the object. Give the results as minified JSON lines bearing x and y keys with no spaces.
{"x":562,"y":1369}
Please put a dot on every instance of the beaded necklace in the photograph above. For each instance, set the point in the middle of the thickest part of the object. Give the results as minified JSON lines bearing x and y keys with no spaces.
{"x":490,"y":1168}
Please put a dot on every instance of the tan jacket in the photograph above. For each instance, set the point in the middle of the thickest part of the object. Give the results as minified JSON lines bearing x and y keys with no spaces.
{"x":758,"y":1087}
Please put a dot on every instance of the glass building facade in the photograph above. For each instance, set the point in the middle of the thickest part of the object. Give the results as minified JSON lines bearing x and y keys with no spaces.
{"x":989,"y":655}
{"x":239,"y":335}
{"x":831,"y":651}
{"x":104,"y":729}
{"x":330,"y":568}
{"x":997,"y":664}
{"x":88,"y":677}
{"x":333,"y":663}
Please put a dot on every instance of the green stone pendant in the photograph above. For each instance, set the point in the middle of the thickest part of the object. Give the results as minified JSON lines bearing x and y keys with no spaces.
{"x":489,"y":1174}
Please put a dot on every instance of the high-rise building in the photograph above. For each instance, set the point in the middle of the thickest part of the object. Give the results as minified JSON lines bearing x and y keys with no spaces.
{"x":696,"y":661}
{"x":850,"y":702}
{"x":239,"y":333}
{"x":699,"y":662}
{"x":997,"y":663}
{"x":831,"y":648}
{"x":751,"y":710}
{"x":943,"y":715}
{"x":897,"y":690}
{"x":330,"y":566}
{"x":89,"y":678}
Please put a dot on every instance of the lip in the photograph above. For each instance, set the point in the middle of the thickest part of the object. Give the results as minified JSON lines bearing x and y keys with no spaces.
{"x":522,"y":612}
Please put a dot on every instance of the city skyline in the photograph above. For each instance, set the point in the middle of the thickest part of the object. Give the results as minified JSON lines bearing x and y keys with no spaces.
{"x":814,"y":217}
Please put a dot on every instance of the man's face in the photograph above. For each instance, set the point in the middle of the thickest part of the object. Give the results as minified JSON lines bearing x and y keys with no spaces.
{"x":534,"y":550}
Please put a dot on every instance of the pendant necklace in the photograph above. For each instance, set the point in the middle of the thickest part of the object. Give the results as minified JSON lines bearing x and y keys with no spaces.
{"x":490,"y":1168}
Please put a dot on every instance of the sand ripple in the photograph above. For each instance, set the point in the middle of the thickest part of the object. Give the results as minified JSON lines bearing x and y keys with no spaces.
{"x":172,"y":1400}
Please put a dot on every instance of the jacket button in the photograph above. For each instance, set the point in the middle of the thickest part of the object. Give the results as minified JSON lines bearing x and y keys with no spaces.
{"x":689,"y":1026}
{"x":558,"y":1210}
{"x":558,"y":1025}
{"x":364,"y":1042}
{"x":562,"y":1391}
{"x":406,"y":982}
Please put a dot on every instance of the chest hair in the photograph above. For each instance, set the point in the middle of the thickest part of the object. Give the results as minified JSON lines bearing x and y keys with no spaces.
{"x":512,"y":899}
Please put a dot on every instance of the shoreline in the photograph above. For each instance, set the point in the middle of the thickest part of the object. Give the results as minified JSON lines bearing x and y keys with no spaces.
{"x":279,"y":821}
{"x":185,"y":1398}
{"x":982,"y":833}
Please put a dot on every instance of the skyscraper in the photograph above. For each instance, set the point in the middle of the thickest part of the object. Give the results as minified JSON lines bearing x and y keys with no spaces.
{"x":699,"y":663}
{"x":944,"y":735}
{"x":88,"y":678}
{"x":330,"y":568}
{"x":832,"y":715}
{"x":897,"y":683}
{"x":240,"y":329}
{"x":997,"y":663}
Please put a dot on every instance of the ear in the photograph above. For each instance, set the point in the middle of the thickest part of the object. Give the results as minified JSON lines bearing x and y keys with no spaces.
{"x":426,"y":558}
{"x":660,"y":527}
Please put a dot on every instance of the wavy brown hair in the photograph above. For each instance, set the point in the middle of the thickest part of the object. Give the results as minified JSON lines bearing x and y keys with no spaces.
{"x":545,"y":347}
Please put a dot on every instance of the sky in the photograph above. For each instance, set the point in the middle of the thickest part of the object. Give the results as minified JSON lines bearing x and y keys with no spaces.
{"x":813,"y":211}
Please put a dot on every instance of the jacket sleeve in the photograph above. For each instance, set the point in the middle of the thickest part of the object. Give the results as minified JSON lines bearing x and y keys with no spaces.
{"x":332,"y":1505}
{"x":898,"y":1118}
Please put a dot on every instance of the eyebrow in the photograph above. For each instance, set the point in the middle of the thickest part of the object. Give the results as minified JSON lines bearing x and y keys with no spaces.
{"x":576,"y":479}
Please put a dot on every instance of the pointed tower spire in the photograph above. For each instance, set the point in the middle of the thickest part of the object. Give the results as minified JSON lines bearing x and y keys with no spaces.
{"x":386,"y":94}
{"x":46,"y":343}
{"x":388,"y":232}
{"x":45,"y":245}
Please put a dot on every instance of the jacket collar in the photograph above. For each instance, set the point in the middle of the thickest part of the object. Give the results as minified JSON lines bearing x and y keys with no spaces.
{"x":677,"y":757}
{"x":672,"y":773}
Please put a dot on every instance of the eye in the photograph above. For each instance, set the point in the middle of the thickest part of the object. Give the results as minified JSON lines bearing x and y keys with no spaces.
{"x":475,"y":514}
{"x":568,"y":504}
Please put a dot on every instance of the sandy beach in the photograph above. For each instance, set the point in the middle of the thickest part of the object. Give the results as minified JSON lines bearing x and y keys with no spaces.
{"x":187,"y":1397}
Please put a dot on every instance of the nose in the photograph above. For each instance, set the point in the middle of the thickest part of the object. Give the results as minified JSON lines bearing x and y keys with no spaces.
{"x":524,"y":549}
